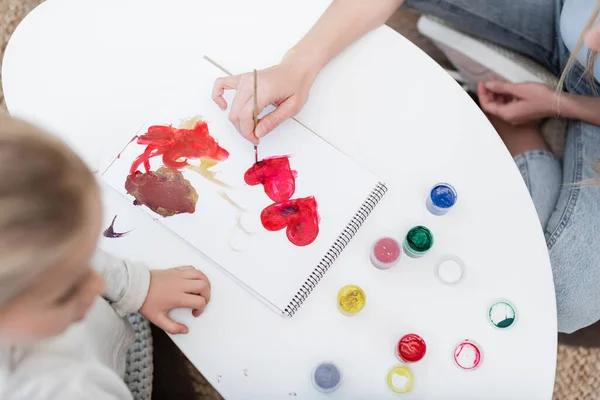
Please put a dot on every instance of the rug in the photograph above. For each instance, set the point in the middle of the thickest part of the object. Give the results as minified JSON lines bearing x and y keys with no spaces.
{"x":578,"y":367}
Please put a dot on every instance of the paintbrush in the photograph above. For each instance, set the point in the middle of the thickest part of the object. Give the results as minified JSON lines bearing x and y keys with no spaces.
{"x":255,"y":114}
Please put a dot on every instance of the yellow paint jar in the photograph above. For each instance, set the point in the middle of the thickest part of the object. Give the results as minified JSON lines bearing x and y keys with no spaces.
{"x":351,"y":299}
{"x":400,"y":379}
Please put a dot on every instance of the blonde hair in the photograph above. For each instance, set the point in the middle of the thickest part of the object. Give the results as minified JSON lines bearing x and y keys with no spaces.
{"x":43,"y":201}
{"x":591,"y":56}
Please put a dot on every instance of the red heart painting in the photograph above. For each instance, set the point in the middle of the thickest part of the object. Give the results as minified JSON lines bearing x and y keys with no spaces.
{"x":276,"y":176}
{"x":300,"y":216}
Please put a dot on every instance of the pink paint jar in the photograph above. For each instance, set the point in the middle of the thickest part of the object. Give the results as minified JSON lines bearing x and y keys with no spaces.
{"x":385,"y":253}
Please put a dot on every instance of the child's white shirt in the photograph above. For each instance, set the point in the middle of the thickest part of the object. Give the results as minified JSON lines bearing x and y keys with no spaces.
{"x":87,"y":361}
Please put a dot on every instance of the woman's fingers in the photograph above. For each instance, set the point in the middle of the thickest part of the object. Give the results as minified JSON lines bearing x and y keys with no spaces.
{"x":502,"y":87}
{"x":222,"y":84}
{"x":284,"y":111}
{"x":246,"y":121}
{"x":483,"y":94}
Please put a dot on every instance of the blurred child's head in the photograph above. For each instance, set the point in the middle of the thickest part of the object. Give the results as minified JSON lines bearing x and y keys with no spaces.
{"x":50,"y":217}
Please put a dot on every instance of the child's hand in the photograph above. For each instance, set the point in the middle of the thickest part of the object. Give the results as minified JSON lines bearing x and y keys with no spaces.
{"x":517,"y":103}
{"x":181,"y":287}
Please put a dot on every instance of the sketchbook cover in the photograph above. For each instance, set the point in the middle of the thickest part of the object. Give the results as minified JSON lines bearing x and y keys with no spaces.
{"x":226,"y":223}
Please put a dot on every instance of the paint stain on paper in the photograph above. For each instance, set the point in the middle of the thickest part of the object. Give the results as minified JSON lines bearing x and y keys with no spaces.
{"x":177,"y":146}
{"x":238,"y":224}
{"x":110,"y":231}
{"x":300,"y":217}
{"x":190,"y":122}
{"x":245,"y":372}
{"x":232,"y":202}
{"x":204,"y":169}
{"x":276,"y":176}
{"x":166,"y":191}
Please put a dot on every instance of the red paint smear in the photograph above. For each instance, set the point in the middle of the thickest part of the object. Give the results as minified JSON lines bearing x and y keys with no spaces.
{"x":166,"y":191}
{"x":128,"y":143}
{"x":411,"y":348}
{"x":276,"y":176}
{"x":175,"y":143}
{"x":386,"y":250}
{"x":299,"y":216}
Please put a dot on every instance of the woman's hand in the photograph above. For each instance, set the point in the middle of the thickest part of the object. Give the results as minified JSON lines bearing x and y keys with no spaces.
{"x":181,"y":287}
{"x":286,"y":86}
{"x":517,"y":103}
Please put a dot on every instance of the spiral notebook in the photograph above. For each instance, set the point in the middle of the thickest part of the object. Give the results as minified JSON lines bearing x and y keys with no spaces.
{"x":226,"y":225}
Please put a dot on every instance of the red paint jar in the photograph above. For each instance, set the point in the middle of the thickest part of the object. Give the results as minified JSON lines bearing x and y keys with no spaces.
{"x":385,"y":253}
{"x":411,"y":348}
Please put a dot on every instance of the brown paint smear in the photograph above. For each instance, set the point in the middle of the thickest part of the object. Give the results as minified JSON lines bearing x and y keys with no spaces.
{"x":166,"y":191}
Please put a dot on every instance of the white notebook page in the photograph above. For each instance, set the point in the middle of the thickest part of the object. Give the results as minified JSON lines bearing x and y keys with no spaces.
{"x":264,"y":261}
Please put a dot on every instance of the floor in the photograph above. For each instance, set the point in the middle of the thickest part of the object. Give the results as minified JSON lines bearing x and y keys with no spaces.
{"x":578,"y":367}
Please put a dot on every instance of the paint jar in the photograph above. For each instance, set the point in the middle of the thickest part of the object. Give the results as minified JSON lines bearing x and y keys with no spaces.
{"x":326,"y":377}
{"x":385,"y":253}
{"x":450,"y":270}
{"x":502,"y":314}
{"x":418,"y":241}
{"x":467,"y":355}
{"x":400,"y":379}
{"x":351,"y":299}
{"x":411,"y":348}
{"x":441,"y":199}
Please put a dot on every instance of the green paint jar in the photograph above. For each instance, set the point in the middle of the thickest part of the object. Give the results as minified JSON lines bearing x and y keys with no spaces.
{"x":418,"y":241}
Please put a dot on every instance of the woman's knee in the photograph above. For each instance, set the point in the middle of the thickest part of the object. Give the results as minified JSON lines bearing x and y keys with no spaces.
{"x":575,"y":260}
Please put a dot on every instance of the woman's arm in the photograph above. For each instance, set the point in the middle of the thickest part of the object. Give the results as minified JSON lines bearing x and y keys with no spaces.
{"x":583,"y":108}
{"x":341,"y":24}
{"x":288,"y":84}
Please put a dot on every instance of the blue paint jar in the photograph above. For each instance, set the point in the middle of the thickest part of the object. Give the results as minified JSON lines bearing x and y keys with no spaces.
{"x":326,"y":377}
{"x":442,"y":198}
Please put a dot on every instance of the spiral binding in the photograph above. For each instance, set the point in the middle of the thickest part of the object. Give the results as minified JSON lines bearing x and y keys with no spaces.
{"x":336,"y":249}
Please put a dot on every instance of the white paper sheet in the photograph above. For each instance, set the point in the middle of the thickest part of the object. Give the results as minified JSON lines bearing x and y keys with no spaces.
{"x":265,"y":262}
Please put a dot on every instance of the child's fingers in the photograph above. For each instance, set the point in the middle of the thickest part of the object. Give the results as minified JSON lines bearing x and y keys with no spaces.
{"x":192,"y":301}
{"x":196,"y":313}
{"x":200,"y":287}
{"x":170,"y":326}
{"x":193,"y":273}
{"x":185,"y":268}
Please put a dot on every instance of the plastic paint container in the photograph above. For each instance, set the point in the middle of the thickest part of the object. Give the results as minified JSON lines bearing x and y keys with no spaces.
{"x":326,"y":377}
{"x":385,"y":253}
{"x":411,"y":348}
{"x":450,"y":270}
{"x":418,"y":241}
{"x":441,"y":199}
{"x":351,"y":299}
{"x":502,"y":314}
{"x":400,"y":379}
{"x":467,"y":355}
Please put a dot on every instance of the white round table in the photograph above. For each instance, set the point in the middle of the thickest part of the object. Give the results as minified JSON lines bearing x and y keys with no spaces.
{"x":90,"y":71}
